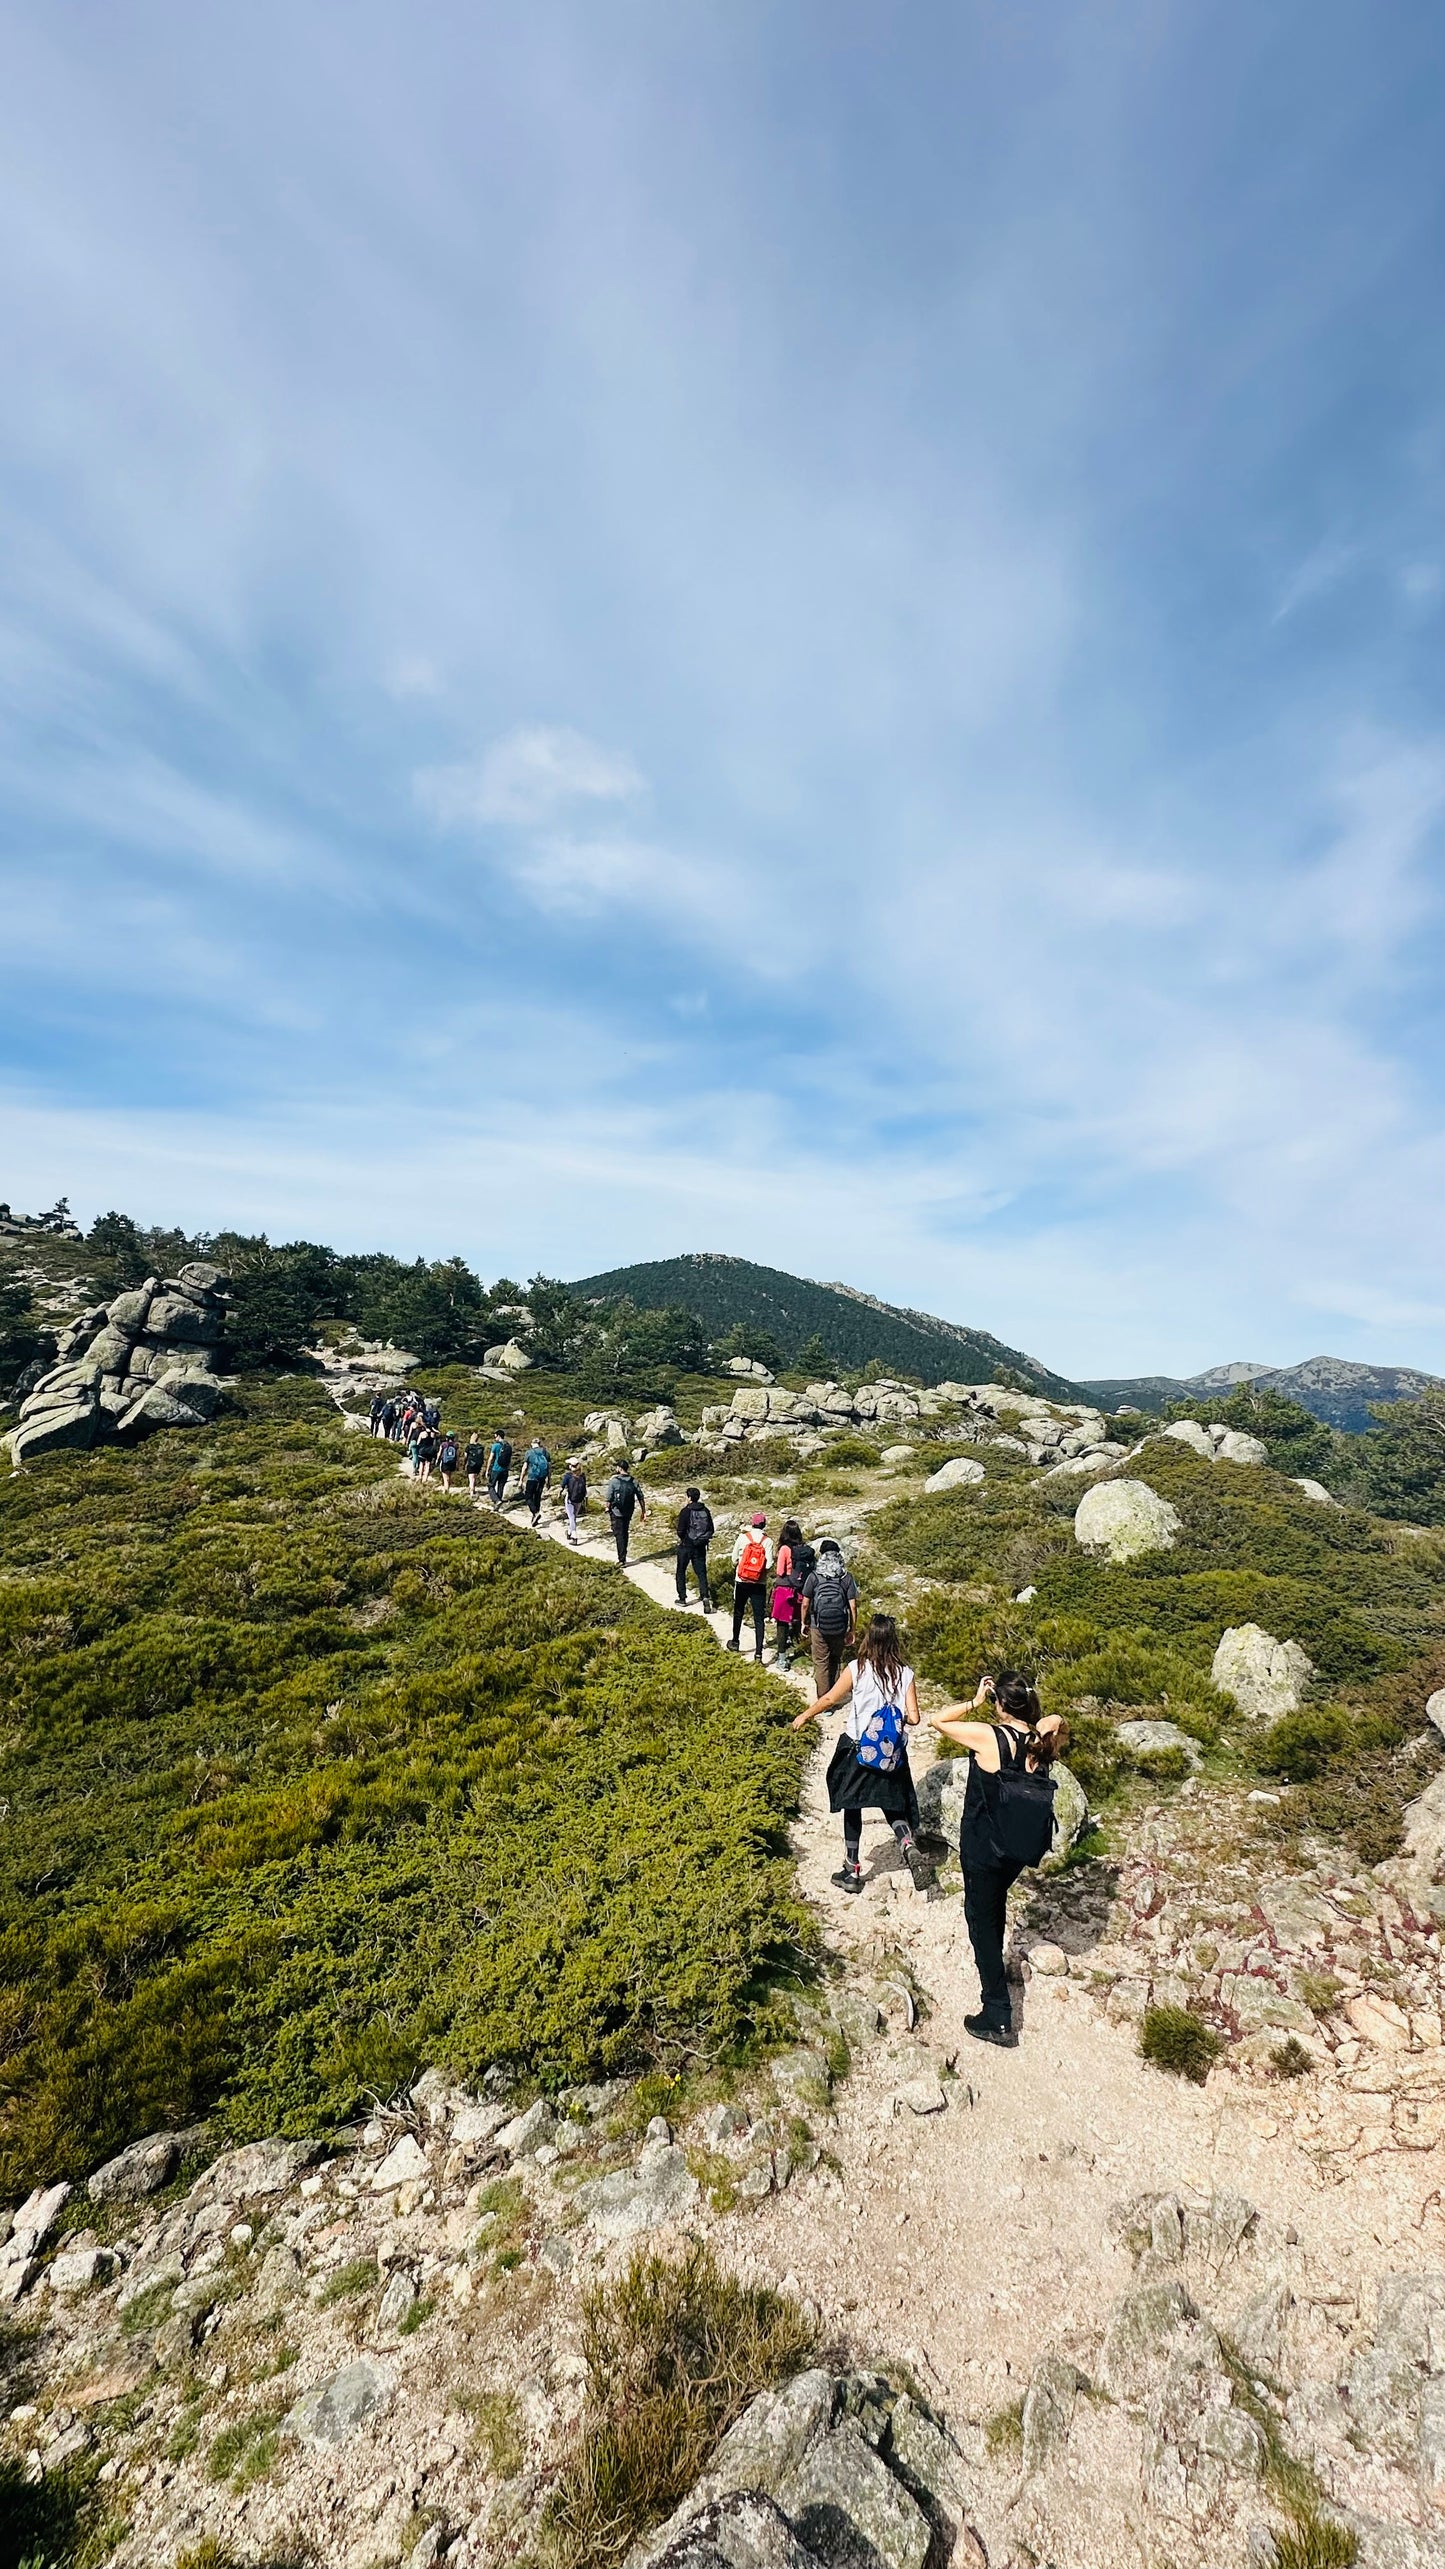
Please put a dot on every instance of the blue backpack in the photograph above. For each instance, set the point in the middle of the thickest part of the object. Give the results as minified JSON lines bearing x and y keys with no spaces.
{"x":880,"y":1738}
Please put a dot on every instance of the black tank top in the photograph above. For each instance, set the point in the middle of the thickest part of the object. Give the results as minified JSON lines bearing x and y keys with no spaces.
{"x":977,"y":1837}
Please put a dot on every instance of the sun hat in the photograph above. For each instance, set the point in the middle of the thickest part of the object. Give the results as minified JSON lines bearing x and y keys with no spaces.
{"x":760,"y":1519}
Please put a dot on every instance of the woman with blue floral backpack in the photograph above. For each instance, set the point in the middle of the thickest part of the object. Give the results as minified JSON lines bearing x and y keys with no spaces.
{"x":869,"y":1768}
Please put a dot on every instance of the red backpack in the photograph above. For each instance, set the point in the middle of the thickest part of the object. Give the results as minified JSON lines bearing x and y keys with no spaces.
{"x":752,"y":1562}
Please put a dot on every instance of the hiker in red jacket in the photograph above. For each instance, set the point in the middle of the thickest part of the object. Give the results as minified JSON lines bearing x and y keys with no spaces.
{"x":752,"y":1560}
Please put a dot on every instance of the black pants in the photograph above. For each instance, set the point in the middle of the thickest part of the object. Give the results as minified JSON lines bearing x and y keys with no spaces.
{"x":621,"y":1532}
{"x":985,"y":1909}
{"x":533,"y":1496}
{"x":750,"y":1593}
{"x":853,"y":1833}
{"x":497,"y":1484}
{"x":692,"y":1556}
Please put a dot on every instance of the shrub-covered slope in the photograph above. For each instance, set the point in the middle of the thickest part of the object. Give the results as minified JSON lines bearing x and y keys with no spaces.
{"x":310,"y":1775}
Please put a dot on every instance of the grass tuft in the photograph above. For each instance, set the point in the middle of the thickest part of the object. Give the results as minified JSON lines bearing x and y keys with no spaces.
{"x":1315,"y":2542}
{"x":1175,"y":2039}
{"x":674,"y":2350}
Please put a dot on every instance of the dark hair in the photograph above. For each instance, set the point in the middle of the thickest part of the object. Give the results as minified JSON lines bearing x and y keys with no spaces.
{"x":792,"y":1532}
{"x":692,"y":1493}
{"x":1017,"y":1696}
{"x":882,"y":1650}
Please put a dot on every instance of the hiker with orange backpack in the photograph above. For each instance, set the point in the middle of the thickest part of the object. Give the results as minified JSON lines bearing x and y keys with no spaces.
{"x":752,"y":1560}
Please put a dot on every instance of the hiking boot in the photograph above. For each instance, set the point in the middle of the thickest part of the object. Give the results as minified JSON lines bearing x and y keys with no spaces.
{"x":984,"y":2030}
{"x":732,"y":1645}
{"x":849,"y":1877}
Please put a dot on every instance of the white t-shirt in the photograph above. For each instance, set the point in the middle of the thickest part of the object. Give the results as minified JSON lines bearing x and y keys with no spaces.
{"x":867,"y":1695}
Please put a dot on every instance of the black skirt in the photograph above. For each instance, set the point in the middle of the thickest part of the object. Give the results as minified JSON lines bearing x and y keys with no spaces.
{"x":855,"y":1787}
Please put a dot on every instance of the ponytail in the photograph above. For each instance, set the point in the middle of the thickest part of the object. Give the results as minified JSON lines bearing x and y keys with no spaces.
{"x":1017,"y":1696}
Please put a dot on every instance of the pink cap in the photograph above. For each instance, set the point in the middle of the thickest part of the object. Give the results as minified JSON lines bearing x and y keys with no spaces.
{"x":760,"y":1520}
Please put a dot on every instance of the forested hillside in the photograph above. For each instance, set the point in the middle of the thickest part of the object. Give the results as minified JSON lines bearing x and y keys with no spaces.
{"x":823,"y":1325}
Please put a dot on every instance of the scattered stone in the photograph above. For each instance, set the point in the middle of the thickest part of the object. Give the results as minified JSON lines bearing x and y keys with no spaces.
{"x":397,"y":2302}
{"x":963,"y":1473}
{"x":279,"y":2278}
{"x":404,"y":2164}
{"x":1379,"y":2021}
{"x":1125,"y":1520}
{"x":1267,"y":1678}
{"x":923,"y":2095}
{"x":473,"y":2126}
{"x":1316,"y":1490}
{"x":801,"y":2076}
{"x":144,"y":2279}
{"x":1049,"y":1959}
{"x":527,"y":2132}
{"x":338,"y":2409}
{"x":141,"y":2170}
{"x":1147,"y":1739}
{"x":658,"y":2130}
{"x":660,"y":2188}
{"x":1048,"y":2412}
{"x":722,"y":2123}
{"x":260,"y":2167}
{"x":1435,"y":1710}
{"x":78,"y":2270}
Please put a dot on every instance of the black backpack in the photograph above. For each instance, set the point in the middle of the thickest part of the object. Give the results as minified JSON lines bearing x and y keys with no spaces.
{"x":832,"y":1605}
{"x":699,"y":1525}
{"x":1023,"y":1811}
{"x":805,"y":1562}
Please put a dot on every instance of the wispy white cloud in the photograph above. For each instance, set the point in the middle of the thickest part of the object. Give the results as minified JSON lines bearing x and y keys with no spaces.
{"x":527,"y":780}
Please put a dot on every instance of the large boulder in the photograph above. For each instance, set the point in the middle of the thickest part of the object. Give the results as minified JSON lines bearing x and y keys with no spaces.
{"x":748,"y":1369}
{"x":846,"y":2506}
{"x":1187,"y":1431}
{"x":660,"y":2188}
{"x":510,"y":1359}
{"x":1125,"y":1520}
{"x":179,"y":1399}
{"x":658,"y":1427}
{"x":69,"y":1430}
{"x":1071,"y":1814}
{"x":963,"y":1473}
{"x":1150,"y":1739}
{"x":1231,"y":1445}
{"x":1267,"y":1678}
{"x":741,"y":2531}
{"x":141,"y":2170}
{"x":1316,"y":1490}
{"x":752,"y":1402}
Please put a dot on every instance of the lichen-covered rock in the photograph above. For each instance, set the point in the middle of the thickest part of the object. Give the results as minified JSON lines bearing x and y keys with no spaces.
{"x":1233,"y":1446}
{"x":338,"y":2408}
{"x":660,"y":2188}
{"x":1142,"y":2327}
{"x":1388,"y":2376}
{"x":1187,"y":1431}
{"x":258,"y":2167}
{"x":1125,"y":1520}
{"x":1048,"y":2412}
{"x":742,"y":2531}
{"x":1267,"y":1678}
{"x":846,"y":2505}
{"x":1147,"y":1739}
{"x":963,"y":1473}
{"x":142,"y":1362}
{"x":141,"y":2170}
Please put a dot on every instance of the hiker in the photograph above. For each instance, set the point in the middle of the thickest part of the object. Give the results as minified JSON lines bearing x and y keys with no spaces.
{"x":869,"y":1767}
{"x":424,"y":1447}
{"x":752,"y":1560}
{"x":574,"y":1495}
{"x":431,"y":1411}
{"x":413,"y":1460}
{"x":830,"y":1613}
{"x":536,"y":1473}
{"x":624,"y":1493}
{"x":378,"y":1406}
{"x":447,"y":1457}
{"x":1008,"y":1823}
{"x":474,"y":1462}
{"x":695,"y":1531}
{"x":499,"y":1464}
{"x":787,"y":1597}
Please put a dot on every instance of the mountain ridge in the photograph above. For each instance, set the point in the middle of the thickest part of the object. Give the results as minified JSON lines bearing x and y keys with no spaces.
{"x":1336,"y":1389}
{"x":728,"y":1292}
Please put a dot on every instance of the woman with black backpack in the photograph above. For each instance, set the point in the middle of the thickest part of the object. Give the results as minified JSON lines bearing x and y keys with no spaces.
{"x":1008,"y":1823}
{"x":869,"y":1768}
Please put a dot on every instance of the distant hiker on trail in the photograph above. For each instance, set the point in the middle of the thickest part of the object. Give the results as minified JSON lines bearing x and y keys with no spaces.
{"x":787,"y":1600}
{"x":695,"y":1531}
{"x":413,"y":1459}
{"x":424,"y":1446}
{"x":1008,"y":1823}
{"x":830,"y":1613}
{"x":474,"y":1461}
{"x":378,"y":1406}
{"x":574,"y":1496}
{"x":431,"y":1411}
{"x":752,"y":1560}
{"x":869,"y":1768}
{"x":447,"y":1457}
{"x":536,"y":1473}
{"x":624,"y":1494}
{"x":499,"y":1464}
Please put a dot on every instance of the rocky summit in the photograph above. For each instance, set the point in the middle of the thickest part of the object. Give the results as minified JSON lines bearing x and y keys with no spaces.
{"x":145,"y":1360}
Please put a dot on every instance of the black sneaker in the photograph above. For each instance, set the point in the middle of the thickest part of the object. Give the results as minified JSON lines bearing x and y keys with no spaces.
{"x":984,"y":2030}
{"x":850,"y":1877}
{"x":732,"y":1645}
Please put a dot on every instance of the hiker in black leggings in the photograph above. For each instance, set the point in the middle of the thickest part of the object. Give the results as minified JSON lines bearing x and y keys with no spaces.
{"x":869,"y":1767}
{"x":1020,"y":1737}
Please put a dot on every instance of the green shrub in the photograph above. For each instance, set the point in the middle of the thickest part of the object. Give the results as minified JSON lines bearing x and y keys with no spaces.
{"x":524,"y":1819}
{"x":357,"y":2275}
{"x":1315,"y":2542}
{"x":674,"y":2351}
{"x":1290,"y":2059}
{"x":1302,"y":1745}
{"x":1175,"y":2039}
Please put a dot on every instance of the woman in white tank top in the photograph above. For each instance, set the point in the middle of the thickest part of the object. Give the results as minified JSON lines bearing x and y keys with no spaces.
{"x":869,"y":1768}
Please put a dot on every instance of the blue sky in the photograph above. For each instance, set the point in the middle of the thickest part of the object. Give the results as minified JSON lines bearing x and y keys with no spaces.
{"x":811,"y":631}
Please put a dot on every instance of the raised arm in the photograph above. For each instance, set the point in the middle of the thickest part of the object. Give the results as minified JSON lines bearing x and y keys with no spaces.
{"x":955,"y":1723}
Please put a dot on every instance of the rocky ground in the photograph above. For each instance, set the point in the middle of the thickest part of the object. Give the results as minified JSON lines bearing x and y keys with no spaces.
{"x":1146,"y":2313}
